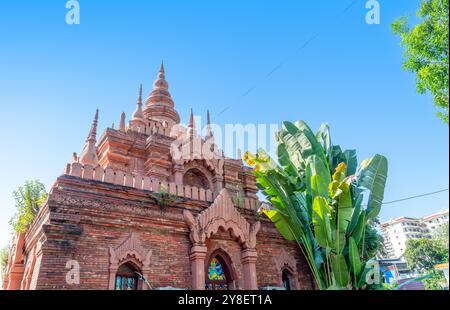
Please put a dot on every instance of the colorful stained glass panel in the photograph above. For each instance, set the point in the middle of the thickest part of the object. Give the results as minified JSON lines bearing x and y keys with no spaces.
{"x":215,"y":271}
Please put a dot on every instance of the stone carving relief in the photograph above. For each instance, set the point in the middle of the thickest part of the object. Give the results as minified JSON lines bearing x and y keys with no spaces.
{"x":131,"y":247}
{"x":221,"y":213}
{"x":283,"y":261}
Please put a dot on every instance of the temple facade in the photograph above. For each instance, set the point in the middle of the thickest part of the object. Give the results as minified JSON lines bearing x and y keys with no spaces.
{"x":152,"y":204}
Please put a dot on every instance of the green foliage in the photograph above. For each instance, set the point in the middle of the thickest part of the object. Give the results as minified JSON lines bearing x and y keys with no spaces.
{"x":4,"y":253}
{"x":316,"y":194}
{"x":28,"y":198}
{"x":435,"y":282}
{"x":382,"y":286}
{"x":422,"y":254}
{"x":426,"y":51}
{"x":442,"y":235}
{"x":373,"y":241}
{"x":164,"y":199}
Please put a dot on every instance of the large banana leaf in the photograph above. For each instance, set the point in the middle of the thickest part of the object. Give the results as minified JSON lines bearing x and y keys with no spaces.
{"x":291,"y":164}
{"x":299,"y":138}
{"x":323,"y":214}
{"x":281,"y":223}
{"x":344,"y":215}
{"x":355,"y":262}
{"x":321,"y":222}
{"x":359,"y":228}
{"x":324,"y":138}
{"x":319,"y":175}
{"x":372,"y":175}
{"x":340,"y":271}
{"x":335,"y":157}
{"x":351,"y":161}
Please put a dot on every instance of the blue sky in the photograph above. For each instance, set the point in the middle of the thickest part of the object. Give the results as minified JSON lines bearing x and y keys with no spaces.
{"x":53,"y":76}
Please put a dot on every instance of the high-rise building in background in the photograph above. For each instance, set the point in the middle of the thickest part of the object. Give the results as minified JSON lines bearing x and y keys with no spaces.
{"x":436,"y":221}
{"x":397,"y":231}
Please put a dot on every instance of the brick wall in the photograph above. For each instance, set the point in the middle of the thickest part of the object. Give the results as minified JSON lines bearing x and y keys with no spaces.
{"x":86,"y":218}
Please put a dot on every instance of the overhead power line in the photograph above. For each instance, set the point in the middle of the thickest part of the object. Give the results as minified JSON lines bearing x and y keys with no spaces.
{"x":417,"y":196}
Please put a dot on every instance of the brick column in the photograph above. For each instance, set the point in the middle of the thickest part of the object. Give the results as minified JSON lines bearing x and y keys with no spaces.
{"x":218,"y":184}
{"x":197,"y":258}
{"x":112,"y":276}
{"x":248,"y":259}
{"x":178,"y":174}
{"x":15,"y":277}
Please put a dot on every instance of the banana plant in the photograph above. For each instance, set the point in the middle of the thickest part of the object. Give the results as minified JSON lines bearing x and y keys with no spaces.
{"x":316,"y":193}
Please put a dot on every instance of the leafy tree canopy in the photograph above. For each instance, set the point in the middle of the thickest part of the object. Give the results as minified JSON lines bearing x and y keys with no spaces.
{"x":426,"y":51}
{"x":422,"y":254}
{"x":28,"y":199}
{"x":4,"y":253}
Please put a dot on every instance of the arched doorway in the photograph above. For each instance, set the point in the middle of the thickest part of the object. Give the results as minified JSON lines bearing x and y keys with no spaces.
{"x":195,"y":177}
{"x":127,"y":278}
{"x":287,"y":279}
{"x":218,"y":273}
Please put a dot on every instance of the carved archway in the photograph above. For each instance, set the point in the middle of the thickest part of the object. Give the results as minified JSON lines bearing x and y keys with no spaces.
{"x":129,"y":251}
{"x":222,"y":214}
{"x":194,"y":177}
{"x":229,"y":274}
{"x":126,"y":276}
{"x":285,"y":262}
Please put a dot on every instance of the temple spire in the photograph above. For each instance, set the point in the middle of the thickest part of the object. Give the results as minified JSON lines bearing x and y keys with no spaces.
{"x":122,"y":122}
{"x":93,"y":132}
{"x":191,"y":120}
{"x":138,"y":114}
{"x":89,"y":154}
{"x":140,"y":94}
{"x":161,"y":67}
{"x":208,"y":124}
{"x":159,"y":105}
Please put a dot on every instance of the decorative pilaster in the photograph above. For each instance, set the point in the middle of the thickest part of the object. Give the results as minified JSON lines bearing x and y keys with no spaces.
{"x":248,"y":260}
{"x":178,"y":174}
{"x":218,"y":183}
{"x":197,"y":258}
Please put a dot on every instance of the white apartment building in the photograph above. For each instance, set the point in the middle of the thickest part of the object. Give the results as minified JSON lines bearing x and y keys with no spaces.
{"x":397,"y":231}
{"x":436,"y":221}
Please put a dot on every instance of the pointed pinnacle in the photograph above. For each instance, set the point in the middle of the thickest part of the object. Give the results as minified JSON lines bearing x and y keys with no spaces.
{"x":191,"y":120}
{"x":93,"y":132}
{"x":122,"y":121}
{"x":139,"y":101}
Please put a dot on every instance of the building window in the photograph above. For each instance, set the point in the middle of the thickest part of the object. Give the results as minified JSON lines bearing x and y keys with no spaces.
{"x":286,"y":279}
{"x":126,"y":278}
{"x":218,"y":276}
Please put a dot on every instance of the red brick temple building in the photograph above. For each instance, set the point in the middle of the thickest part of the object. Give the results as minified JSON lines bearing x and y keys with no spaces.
{"x":128,"y":214}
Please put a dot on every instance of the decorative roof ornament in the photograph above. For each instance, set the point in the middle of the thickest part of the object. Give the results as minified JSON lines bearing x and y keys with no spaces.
{"x":160,"y":94}
{"x":88,"y":155}
{"x":122,"y":122}
{"x":159,"y":105}
{"x":138,"y":114}
{"x":208,"y":125}
{"x":191,"y":120}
